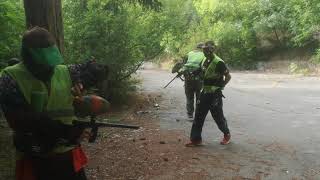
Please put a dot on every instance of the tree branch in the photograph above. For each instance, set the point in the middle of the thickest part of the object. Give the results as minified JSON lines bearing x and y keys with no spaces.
{"x":139,"y":65}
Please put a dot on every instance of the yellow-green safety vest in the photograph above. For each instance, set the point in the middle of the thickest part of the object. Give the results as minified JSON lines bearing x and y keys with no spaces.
{"x":58,"y":101}
{"x":210,"y":73}
{"x":194,"y":61}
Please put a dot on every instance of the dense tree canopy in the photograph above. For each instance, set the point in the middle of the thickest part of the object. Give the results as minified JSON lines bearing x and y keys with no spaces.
{"x":123,"y":33}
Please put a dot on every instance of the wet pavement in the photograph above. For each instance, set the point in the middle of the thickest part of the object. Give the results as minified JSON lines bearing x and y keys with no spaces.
{"x":274,"y":121}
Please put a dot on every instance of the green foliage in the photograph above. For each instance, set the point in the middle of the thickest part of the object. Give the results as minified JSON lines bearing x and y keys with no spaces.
{"x":12,"y":27}
{"x":119,"y":34}
{"x":243,"y":29}
{"x":177,"y":18}
{"x":226,"y":24}
{"x":122,"y":33}
{"x":234,"y":43}
{"x":272,"y":22}
{"x":316,"y":57}
{"x":294,"y":68}
{"x":304,"y":20}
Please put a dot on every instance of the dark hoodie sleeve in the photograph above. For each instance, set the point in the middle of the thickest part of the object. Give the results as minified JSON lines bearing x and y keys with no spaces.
{"x":222,"y":68}
{"x":11,"y":98}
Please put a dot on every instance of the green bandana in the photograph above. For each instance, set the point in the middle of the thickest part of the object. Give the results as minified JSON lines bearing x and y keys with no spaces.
{"x":49,"y":56}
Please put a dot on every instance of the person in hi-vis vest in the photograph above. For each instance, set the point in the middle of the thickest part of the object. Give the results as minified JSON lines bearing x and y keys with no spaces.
{"x":193,"y":82}
{"x":37,"y":100}
{"x":215,"y":77}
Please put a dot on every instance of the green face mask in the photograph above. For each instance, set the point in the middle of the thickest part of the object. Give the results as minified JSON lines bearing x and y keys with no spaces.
{"x":48,"y":56}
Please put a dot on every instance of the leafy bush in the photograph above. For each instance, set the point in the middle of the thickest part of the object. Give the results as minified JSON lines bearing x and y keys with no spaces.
{"x":316,"y":57}
{"x":123,"y":33}
{"x":235,"y":44}
{"x":12,"y":26}
{"x":242,"y":28}
{"x":294,"y":68}
{"x":119,"y":34}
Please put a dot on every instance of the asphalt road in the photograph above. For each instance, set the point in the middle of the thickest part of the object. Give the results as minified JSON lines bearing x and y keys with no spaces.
{"x":274,"y":121}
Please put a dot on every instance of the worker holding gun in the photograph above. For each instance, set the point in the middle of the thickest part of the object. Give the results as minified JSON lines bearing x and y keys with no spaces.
{"x":190,"y":69}
{"x":193,"y":80}
{"x":38,"y":104}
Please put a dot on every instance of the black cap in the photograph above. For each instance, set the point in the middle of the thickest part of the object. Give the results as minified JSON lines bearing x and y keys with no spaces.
{"x":209,"y":45}
{"x":200,"y":45}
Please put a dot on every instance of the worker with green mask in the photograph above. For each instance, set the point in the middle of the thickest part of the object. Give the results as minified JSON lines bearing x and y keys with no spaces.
{"x":191,"y":72}
{"x":37,"y":101}
{"x":216,"y":77}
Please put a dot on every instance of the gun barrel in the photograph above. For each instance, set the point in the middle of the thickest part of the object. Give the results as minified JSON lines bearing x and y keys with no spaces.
{"x":117,"y":125}
{"x":100,"y":124}
{"x":171,"y":81}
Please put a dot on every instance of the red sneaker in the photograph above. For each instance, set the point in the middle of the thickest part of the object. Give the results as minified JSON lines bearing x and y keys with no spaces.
{"x":194,"y":143}
{"x":226,"y":139}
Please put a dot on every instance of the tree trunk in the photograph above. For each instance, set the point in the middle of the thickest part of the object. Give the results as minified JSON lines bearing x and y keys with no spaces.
{"x":277,"y":36}
{"x":46,"y":14}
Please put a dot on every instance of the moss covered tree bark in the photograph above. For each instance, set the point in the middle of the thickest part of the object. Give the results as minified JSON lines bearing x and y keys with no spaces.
{"x":46,"y":14}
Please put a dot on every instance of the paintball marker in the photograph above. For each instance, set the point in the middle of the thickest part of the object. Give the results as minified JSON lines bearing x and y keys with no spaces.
{"x":177,"y":76}
{"x":176,"y":69}
{"x":94,"y":106}
{"x":186,"y":74}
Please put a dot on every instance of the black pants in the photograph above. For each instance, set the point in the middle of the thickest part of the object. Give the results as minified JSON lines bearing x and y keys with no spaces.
{"x":212,"y":102}
{"x":192,"y":89}
{"x":59,"y":167}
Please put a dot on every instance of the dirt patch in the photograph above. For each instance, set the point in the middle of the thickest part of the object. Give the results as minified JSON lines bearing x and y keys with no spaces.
{"x":147,"y":153}
{"x":157,"y":154}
